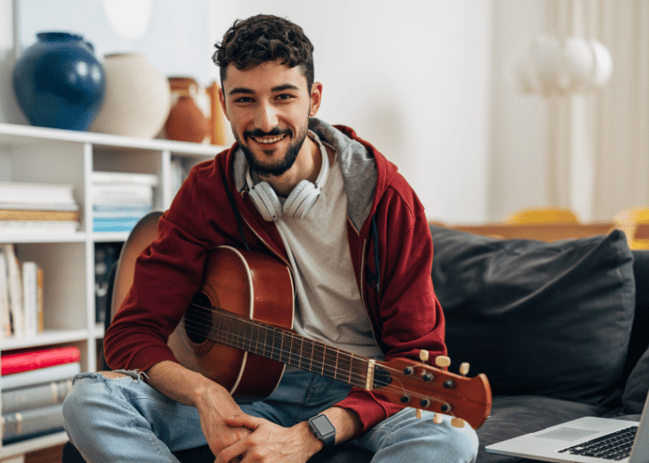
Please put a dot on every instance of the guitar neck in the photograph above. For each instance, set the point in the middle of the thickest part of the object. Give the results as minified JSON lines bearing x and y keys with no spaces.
{"x":291,"y":349}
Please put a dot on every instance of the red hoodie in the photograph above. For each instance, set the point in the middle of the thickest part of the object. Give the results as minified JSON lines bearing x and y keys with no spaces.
{"x":387,"y":230}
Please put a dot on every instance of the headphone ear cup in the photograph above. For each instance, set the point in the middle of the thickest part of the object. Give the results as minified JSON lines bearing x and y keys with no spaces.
{"x":266,"y":201}
{"x":301,"y":199}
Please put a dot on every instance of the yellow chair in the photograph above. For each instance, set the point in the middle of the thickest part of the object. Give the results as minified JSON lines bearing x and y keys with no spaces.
{"x":628,"y":221}
{"x":542,"y":215}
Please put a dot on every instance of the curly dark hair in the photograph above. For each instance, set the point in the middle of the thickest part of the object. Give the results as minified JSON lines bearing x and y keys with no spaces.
{"x":264,"y":38}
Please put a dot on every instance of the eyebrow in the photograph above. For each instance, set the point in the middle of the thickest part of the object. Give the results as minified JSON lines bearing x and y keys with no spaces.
{"x":248,"y":91}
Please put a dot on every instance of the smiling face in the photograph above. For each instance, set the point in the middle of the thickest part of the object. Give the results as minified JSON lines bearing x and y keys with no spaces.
{"x":268,"y":107}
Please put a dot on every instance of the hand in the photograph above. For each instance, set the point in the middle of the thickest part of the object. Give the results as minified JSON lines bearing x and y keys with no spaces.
{"x":268,"y":442}
{"x":214,"y":407}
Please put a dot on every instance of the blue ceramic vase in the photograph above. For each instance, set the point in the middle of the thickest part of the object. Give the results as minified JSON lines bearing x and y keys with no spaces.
{"x":59,"y":82}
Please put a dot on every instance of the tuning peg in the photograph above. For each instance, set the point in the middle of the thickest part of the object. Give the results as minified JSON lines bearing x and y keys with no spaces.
{"x":442,"y":361}
{"x":457,"y":422}
{"x":438,"y":419}
{"x":464,"y":368}
{"x":424,"y":355}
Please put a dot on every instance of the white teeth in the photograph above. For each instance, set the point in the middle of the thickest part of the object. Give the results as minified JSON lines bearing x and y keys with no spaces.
{"x":268,"y":141}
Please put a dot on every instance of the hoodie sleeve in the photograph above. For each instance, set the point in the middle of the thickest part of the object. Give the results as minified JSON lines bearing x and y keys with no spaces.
{"x":405,"y":313}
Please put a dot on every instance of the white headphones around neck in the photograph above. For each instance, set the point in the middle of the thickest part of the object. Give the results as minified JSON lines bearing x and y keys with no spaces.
{"x":302,"y":198}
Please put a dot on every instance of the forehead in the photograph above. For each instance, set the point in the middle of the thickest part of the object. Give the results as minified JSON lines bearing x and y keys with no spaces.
{"x":264,"y":77}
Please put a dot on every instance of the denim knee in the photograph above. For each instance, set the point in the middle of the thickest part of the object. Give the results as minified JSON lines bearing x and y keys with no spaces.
{"x":406,"y":438}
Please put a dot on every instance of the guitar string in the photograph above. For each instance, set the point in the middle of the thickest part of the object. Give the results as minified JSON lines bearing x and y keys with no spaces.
{"x":387,"y":386}
{"x":321,"y":366}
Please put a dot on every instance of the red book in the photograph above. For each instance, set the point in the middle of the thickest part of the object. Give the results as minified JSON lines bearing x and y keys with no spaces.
{"x":33,"y":360}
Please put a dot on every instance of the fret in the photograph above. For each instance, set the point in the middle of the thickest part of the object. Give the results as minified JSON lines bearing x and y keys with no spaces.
{"x":344,"y":366}
{"x":359,"y":370}
{"x":318,"y":358}
{"x":307,"y":355}
{"x":331,"y":362}
{"x":299,"y":356}
{"x":276,"y":340}
{"x":285,"y":350}
{"x":266,"y":349}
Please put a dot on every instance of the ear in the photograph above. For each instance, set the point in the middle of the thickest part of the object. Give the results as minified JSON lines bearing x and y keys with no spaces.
{"x":316,"y":98}
{"x":222,"y":102}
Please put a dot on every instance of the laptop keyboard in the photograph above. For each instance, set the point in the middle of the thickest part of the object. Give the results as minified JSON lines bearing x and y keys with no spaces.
{"x":615,"y":446}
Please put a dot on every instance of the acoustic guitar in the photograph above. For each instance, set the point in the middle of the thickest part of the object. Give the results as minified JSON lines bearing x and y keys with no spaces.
{"x":237,"y":332}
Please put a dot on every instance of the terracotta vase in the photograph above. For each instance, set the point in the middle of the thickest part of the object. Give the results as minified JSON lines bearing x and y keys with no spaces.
{"x":137,"y":97}
{"x":186,"y":120}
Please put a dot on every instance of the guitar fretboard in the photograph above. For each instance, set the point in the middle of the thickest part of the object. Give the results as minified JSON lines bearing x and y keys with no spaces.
{"x":288,"y":348}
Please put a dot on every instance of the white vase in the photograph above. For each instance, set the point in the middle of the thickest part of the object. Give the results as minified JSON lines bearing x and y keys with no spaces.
{"x":137,"y":98}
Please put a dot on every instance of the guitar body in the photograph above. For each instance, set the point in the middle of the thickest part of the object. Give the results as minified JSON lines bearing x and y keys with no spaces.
{"x":254,"y":285}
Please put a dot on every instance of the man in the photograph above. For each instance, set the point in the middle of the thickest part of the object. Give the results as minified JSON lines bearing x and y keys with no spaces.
{"x":356,"y":239}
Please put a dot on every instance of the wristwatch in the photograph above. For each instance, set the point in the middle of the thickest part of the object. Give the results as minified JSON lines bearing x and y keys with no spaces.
{"x":323,"y":430}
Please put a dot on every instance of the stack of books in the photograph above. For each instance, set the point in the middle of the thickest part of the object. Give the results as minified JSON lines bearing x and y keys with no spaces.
{"x":37,"y":207}
{"x":121,"y":199}
{"x":21,"y":295}
{"x":34,"y":385}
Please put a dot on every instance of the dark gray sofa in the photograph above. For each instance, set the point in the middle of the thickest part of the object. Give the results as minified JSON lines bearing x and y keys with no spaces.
{"x":560,"y":329}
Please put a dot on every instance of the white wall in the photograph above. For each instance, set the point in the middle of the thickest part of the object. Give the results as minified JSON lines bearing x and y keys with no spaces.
{"x":518,"y":170}
{"x":411,"y":77}
{"x":420,"y":79}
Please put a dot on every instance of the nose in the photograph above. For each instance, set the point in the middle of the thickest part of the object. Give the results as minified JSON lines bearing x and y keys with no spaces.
{"x":266,"y":117}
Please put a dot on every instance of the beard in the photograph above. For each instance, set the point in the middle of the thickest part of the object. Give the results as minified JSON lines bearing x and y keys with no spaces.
{"x":281,"y":166}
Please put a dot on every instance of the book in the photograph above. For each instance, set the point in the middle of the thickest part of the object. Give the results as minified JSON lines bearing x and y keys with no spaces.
{"x":32,"y":298}
{"x":32,"y":360}
{"x":38,"y":226}
{"x":23,"y":425}
{"x":116,"y":225}
{"x":106,"y":254}
{"x":5,"y":318}
{"x":39,"y":206}
{"x":40,"y":376}
{"x":123,"y":177}
{"x":36,"y":193}
{"x":121,"y":194}
{"x":42,"y":395}
{"x":31,"y":214}
{"x":15,"y":290}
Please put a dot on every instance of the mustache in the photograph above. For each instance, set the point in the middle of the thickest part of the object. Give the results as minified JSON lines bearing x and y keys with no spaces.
{"x":276,"y":132}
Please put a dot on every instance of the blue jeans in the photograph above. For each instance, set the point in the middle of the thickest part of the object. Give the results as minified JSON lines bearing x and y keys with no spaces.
{"x":125,"y":419}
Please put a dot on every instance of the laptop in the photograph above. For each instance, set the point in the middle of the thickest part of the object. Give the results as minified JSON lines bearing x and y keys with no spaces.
{"x":588,"y":440}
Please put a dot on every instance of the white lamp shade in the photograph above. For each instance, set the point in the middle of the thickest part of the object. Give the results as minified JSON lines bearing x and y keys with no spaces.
{"x":550,"y":65}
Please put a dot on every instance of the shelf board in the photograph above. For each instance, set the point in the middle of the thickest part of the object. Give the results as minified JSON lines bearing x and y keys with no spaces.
{"x":43,"y":339}
{"x":31,"y":445}
{"x":16,"y":133}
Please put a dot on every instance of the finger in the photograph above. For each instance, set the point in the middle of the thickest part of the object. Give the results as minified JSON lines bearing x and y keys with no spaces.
{"x":243,"y":420}
{"x":231,"y":454}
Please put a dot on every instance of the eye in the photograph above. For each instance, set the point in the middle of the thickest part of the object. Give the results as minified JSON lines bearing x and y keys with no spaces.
{"x":285,"y":97}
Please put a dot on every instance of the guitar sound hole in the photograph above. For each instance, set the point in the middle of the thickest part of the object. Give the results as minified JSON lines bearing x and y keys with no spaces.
{"x":198,"y":319}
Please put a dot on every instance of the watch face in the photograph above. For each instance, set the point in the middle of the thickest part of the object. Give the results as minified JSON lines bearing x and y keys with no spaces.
{"x":323,"y":425}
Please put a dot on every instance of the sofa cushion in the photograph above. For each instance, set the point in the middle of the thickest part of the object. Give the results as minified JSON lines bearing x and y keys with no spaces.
{"x":549,"y":319}
{"x":513,"y":416}
{"x":635,"y":392}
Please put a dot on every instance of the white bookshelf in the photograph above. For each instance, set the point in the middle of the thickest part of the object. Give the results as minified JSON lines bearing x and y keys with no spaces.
{"x":35,"y":154}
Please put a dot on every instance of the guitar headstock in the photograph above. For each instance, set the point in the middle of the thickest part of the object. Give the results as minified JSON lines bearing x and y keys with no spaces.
{"x":425,"y":387}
